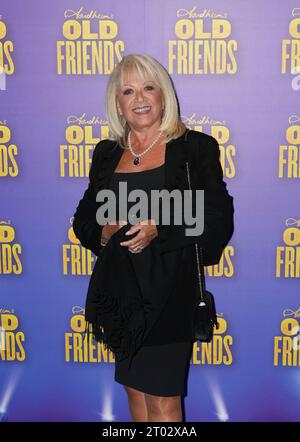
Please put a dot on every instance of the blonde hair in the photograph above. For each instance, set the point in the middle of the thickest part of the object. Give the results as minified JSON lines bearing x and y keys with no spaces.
{"x":143,"y":65}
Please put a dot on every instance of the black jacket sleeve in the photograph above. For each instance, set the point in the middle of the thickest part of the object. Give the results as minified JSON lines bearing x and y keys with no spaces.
{"x":218,"y":210}
{"x":85,"y":225}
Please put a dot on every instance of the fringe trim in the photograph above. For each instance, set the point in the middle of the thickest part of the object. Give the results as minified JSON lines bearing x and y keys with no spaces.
{"x":120,"y":330}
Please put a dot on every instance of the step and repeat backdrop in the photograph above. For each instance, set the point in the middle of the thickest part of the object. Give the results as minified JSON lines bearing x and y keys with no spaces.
{"x":236,"y":69}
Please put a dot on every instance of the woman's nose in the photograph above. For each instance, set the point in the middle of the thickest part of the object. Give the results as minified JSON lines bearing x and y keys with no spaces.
{"x":139,"y":96}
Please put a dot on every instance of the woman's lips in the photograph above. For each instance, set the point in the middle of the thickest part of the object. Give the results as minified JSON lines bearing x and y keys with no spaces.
{"x":142,"y":110}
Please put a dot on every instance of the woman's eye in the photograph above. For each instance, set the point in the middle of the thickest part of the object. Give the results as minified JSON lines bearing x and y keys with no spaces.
{"x":128,"y":91}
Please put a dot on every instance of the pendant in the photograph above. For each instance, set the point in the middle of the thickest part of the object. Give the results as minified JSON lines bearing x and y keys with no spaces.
{"x":136,"y":161}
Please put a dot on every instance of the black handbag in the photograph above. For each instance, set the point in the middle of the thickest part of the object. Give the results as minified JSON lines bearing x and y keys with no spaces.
{"x":205,"y":316}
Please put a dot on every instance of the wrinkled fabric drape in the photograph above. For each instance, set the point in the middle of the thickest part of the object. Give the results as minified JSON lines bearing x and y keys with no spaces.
{"x":123,"y":301}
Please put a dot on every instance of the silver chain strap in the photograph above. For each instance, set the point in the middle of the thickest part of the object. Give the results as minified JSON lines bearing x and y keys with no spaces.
{"x":201,"y":276}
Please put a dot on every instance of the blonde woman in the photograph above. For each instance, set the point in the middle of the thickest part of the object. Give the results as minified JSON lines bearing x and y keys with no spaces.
{"x":143,"y":290}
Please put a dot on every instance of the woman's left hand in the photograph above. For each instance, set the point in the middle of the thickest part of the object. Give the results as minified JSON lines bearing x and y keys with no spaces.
{"x":147,"y":232}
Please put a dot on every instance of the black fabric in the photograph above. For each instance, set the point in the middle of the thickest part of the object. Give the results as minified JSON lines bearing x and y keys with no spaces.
{"x":172,"y":298}
{"x":202,"y":151}
{"x":127,"y":291}
{"x":160,"y":370}
{"x":124,"y":299}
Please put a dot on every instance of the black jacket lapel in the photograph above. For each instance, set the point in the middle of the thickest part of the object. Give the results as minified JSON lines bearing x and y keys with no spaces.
{"x":175,"y":158}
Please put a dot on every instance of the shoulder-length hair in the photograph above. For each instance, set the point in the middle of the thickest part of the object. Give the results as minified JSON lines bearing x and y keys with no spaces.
{"x":171,"y":124}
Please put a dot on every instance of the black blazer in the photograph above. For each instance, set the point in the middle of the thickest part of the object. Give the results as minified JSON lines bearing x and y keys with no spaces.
{"x":202,"y":152}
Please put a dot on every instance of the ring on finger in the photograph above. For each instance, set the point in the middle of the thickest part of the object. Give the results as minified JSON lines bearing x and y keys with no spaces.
{"x":134,"y":251}
{"x":138,"y":248}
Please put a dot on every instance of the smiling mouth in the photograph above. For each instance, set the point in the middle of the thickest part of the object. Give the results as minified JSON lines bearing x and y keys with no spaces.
{"x":141,"y":110}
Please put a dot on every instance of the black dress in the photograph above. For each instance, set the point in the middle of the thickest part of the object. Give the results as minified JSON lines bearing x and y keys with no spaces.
{"x":160,"y":369}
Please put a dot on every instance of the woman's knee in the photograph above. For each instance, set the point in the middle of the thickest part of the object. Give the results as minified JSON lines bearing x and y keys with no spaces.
{"x":134,"y":394}
{"x":162,"y":404}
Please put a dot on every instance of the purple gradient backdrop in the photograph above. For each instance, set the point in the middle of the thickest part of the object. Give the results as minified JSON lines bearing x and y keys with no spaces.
{"x":255,"y":103}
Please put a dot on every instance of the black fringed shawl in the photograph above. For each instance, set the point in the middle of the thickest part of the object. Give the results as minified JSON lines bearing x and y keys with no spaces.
{"x":125,"y":296}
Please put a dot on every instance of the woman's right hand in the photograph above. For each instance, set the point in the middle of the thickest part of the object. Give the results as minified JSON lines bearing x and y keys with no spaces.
{"x":110,"y":228}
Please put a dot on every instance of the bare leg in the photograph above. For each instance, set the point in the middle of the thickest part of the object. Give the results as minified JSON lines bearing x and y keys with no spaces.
{"x":164,"y":409}
{"x":137,"y":404}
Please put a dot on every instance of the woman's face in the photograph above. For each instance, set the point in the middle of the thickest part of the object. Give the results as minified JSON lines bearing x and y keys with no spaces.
{"x":140,"y":101}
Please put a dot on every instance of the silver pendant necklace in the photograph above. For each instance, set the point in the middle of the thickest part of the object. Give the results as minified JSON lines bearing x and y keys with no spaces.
{"x":137,"y":160}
